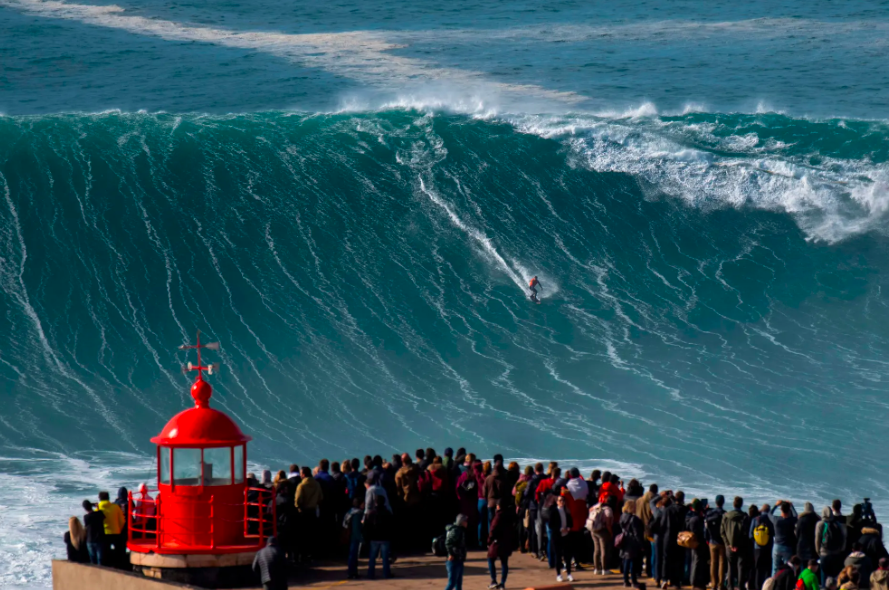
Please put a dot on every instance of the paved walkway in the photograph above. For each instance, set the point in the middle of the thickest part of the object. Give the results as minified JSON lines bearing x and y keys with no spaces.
{"x":425,"y":572}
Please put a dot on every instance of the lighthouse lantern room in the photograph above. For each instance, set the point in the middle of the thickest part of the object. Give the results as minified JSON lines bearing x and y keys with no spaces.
{"x":202,"y":505}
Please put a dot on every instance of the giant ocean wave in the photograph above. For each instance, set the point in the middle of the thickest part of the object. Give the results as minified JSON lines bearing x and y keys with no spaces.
{"x":712,"y":314}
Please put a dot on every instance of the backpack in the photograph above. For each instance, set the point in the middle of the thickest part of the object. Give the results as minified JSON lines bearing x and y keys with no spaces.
{"x":713,"y":523}
{"x":438,"y":546}
{"x":598,"y":520}
{"x":687,"y":539}
{"x":761,"y":534}
{"x":549,"y":500}
{"x":831,"y":536}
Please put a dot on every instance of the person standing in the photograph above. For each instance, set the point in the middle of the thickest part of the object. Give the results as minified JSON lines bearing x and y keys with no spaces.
{"x":805,"y":533}
{"x":830,"y":541}
{"x":785,"y":534}
{"x":271,"y":565}
{"x":352,"y":523}
{"x":699,"y":572}
{"x":501,"y":542}
{"x":645,"y":514}
{"x":75,"y":542}
{"x":879,"y":580}
{"x":536,"y":537}
{"x":115,"y":542}
{"x":735,"y":525}
{"x":559,"y":522}
{"x":632,"y":543}
{"x":762,"y":533}
{"x":715,"y":543}
{"x":455,"y":544}
{"x":601,"y":525}
{"x":378,"y":532}
{"x":94,"y":523}
{"x":668,"y":524}
{"x":307,"y":503}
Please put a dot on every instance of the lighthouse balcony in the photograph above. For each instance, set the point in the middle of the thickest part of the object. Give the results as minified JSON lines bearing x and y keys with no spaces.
{"x":226,"y":521}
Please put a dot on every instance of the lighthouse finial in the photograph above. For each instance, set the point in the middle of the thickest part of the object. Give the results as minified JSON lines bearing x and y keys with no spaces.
{"x":201,"y":390}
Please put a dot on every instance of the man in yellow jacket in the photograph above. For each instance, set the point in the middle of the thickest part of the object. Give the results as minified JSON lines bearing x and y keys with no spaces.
{"x":115,"y":520}
{"x":308,"y":500}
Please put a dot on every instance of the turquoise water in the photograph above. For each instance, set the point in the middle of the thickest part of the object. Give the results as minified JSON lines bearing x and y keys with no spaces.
{"x":352,"y":199}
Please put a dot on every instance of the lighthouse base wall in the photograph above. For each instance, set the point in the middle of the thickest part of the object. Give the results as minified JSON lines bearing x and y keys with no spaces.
{"x":233,"y":570}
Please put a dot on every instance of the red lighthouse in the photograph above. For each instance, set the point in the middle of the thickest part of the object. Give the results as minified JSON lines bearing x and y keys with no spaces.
{"x":203,"y":519}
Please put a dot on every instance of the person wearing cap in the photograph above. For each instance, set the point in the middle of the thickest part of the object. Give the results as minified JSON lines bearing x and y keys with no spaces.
{"x":271,"y":565}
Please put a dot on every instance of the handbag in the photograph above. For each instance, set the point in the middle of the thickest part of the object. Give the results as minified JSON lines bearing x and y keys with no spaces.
{"x":619,"y":541}
{"x":493,"y":553}
{"x":687,"y":539}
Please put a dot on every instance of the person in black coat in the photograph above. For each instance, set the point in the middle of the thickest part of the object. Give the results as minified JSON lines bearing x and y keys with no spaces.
{"x":805,"y":534}
{"x":559,"y":523}
{"x":671,"y":560}
{"x":94,"y":523}
{"x":700,"y":556}
{"x":282,"y":508}
{"x":631,"y":543}
{"x":271,"y":565}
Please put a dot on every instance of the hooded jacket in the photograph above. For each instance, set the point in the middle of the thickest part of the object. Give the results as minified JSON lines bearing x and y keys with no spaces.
{"x":879,"y":580}
{"x":735,"y":525}
{"x":828,"y":517}
{"x":114,"y":518}
{"x":865,"y":567}
{"x":406,"y":484}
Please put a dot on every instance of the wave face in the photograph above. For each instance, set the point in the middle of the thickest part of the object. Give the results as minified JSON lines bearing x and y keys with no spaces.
{"x":713,"y":308}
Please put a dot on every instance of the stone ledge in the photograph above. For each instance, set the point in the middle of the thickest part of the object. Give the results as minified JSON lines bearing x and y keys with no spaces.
{"x":154,"y":560}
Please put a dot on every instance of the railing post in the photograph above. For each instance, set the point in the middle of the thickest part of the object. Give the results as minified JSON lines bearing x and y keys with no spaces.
{"x":212,"y":525}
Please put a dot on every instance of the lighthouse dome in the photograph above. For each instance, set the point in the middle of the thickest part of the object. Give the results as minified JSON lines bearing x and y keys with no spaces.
{"x":200,"y":427}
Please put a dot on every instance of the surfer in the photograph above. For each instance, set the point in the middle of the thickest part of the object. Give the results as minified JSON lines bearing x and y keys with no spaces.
{"x":533,"y":285}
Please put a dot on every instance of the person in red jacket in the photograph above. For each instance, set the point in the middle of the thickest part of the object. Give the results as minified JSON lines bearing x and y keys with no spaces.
{"x":611,"y":488}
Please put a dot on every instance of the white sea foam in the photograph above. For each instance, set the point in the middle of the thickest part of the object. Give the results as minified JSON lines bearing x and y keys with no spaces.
{"x":830,"y":201}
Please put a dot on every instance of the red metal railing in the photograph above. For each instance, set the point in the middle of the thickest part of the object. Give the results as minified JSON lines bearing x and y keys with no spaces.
{"x":166,"y":531}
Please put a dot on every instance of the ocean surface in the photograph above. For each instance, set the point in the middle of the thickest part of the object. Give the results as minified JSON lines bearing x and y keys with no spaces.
{"x":352,"y":196}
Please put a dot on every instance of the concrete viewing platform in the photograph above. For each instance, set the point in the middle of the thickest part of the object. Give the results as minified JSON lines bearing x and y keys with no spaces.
{"x":412,"y":572}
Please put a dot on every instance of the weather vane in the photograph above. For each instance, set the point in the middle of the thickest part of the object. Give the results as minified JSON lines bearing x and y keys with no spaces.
{"x":199,"y":367}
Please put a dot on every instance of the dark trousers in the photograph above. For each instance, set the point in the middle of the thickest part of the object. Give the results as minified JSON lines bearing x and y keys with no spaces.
{"x":561,"y":553}
{"x":738,"y":568}
{"x":307,"y":534}
{"x":646,"y":551}
{"x":762,"y":566}
{"x":504,"y":570}
{"x":629,"y":569}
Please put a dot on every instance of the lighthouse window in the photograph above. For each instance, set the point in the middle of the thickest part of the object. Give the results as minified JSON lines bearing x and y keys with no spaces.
{"x":186,"y":467}
{"x":165,"y":465}
{"x":218,"y":466}
{"x":239,"y":464}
